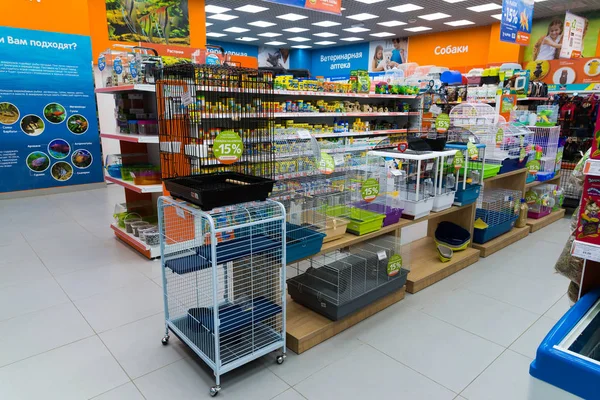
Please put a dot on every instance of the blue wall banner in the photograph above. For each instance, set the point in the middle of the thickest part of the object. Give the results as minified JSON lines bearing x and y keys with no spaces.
{"x":515,"y":26}
{"x":235,"y":49}
{"x":48,"y":124}
{"x":337,"y":62}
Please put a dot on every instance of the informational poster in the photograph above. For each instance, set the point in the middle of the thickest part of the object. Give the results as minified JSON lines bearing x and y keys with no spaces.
{"x":517,"y":16}
{"x":48,"y":125}
{"x":566,"y":71}
{"x":385,"y":55}
{"x":335,"y":63}
{"x":328,"y":6}
{"x":272,"y":57}
{"x":572,"y":39}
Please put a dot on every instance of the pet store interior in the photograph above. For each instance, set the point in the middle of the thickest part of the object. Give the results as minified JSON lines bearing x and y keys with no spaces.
{"x":290,"y":199}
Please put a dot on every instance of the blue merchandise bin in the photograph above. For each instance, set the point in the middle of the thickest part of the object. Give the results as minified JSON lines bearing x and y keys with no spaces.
{"x":301,"y":242}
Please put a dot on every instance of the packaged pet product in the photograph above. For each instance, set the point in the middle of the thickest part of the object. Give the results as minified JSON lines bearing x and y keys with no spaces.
{"x":588,"y":224}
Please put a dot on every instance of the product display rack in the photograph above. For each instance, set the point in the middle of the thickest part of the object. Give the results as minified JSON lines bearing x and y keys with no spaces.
{"x":135,"y":144}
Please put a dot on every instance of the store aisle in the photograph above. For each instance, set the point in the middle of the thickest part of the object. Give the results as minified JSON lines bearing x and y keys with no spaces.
{"x":81,"y":317}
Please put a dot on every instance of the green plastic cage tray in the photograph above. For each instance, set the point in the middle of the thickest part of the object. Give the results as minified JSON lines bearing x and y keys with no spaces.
{"x":361,"y":221}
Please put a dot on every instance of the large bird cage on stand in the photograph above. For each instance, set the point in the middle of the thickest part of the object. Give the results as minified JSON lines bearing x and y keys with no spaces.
{"x":412,"y":176}
{"x":216,"y":121}
{"x":507,"y":149}
{"x":544,"y":158}
{"x":297,"y":187}
{"x":224,"y":280}
{"x":340,"y":283}
{"x":496,"y":213}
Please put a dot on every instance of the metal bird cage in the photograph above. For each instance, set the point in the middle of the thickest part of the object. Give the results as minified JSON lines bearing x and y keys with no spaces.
{"x":216,"y":133}
{"x":224,"y":280}
{"x":544,"y":155}
{"x":496,"y":213}
{"x":445,"y":181}
{"x":340,"y":283}
{"x":507,"y":148}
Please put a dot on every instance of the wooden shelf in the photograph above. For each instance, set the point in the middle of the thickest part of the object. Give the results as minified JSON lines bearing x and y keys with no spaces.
{"x":426,"y":267}
{"x":502,"y":241}
{"x":148,"y":251}
{"x":306,"y":329}
{"x":555,"y":180}
{"x":537,"y":224}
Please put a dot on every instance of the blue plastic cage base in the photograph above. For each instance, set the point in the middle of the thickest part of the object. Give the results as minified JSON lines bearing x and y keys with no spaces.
{"x":301,"y":242}
{"x":544,"y":176}
{"x":482,"y":236}
{"x":466,"y":196}
{"x":226,"y":251}
{"x":512,"y":164}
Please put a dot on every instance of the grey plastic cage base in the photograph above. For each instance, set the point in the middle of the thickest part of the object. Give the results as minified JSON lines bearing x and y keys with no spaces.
{"x":311,"y":299}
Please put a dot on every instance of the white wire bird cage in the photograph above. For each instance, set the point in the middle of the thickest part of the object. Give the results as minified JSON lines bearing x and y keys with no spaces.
{"x":544,"y":152}
{"x":445,"y":181}
{"x":342,"y":282}
{"x":496,"y":213}
{"x":224,"y":280}
{"x":507,"y":149}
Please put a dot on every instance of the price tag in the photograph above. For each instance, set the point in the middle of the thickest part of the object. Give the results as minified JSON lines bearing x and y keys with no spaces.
{"x":180,"y":212}
{"x":338,"y":159}
{"x":370,"y":189}
{"x":592,"y":167}
{"x":228,"y":147}
{"x":442,"y":123}
{"x":394,"y":265}
{"x":187,"y":99}
{"x":429,"y":166}
{"x":381,"y":255}
{"x":585,"y":251}
{"x":303,"y":134}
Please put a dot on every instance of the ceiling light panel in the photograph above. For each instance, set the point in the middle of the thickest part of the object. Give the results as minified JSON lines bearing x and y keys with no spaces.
{"x":362,"y":16}
{"x":406,"y":8}
{"x":485,"y":7}
{"x":356,"y":29}
{"x":325,"y":43}
{"x":326,"y":24}
{"x":236,"y":29}
{"x":295,"y":30}
{"x":301,"y":46}
{"x":392,"y":23}
{"x":215,"y":34}
{"x":434,"y":16}
{"x":325,"y":34}
{"x":216,"y":9}
{"x":209,"y":24}
{"x":262,"y":24}
{"x":418,"y":29}
{"x":269,"y":34}
{"x":246,"y":39}
{"x":460,"y":22}
{"x":299,"y":39}
{"x":383,"y":34}
{"x":275,"y":43}
{"x":497,"y":16}
{"x":454,"y":1}
{"x":351,"y":39}
{"x":292,"y":17}
{"x":252,"y":9}
{"x":222,"y":17}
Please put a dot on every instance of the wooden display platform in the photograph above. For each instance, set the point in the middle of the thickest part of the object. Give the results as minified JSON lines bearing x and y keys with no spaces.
{"x":306,"y":329}
{"x":425,"y":266}
{"x":502,"y":241}
{"x":537,"y":224}
{"x":513,"y":180}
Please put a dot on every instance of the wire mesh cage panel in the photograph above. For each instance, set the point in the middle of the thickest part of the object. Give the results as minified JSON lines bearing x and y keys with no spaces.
{"x":223,"y":280}
{"x":572,"y":191}
{"x":216,"y":120}
{"x":496,"y":213}
{"x":478,"y":118}
{"x":507,"y":148}
{"x":544,"y":152}
{"x":445,"y":181}
{"x":540,"y":200}
{"x":339,"y":283}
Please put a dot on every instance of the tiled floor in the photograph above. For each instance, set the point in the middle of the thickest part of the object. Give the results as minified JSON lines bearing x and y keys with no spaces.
{"x":81,"y":316}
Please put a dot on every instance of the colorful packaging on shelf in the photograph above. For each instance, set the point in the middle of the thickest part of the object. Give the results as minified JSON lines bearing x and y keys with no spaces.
{"x":588,"y":224}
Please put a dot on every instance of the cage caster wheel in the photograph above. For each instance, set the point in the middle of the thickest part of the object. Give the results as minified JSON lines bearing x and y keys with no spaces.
{"x":215,"y":390}
{"x":165,"y":340}
{"x":280,"y":359}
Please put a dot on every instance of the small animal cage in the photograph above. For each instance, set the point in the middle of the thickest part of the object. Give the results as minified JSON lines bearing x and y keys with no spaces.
{"x":544,"y":154}
{"x":224,"y":280}
{"x":496,"y":213}
{"x":411,"y":177}
{"x":469,"y":164}
{"x":540,"y":201}
{"x":508,"y":148}
{"x":216,"y":133}
{"x":340,"y":283}
{"x":445,"y":181}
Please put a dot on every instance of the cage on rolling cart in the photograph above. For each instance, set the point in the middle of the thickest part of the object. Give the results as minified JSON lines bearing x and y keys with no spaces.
{"x":216,"y":133}
{"x":224,"y":280}
{"x":540,"y":200}
{"x":339,"y":283}
{"x":496,"y":213}
{"x":544,"y":152}
{"x":445,"y":181}
{"x":507,"y":148}
{"x":412,"y":176}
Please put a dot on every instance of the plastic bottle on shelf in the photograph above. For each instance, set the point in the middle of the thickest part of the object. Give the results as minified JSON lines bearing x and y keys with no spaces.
{"x":522,"y":220}
{"x":428,"y":187}
{"x":450,"y":181}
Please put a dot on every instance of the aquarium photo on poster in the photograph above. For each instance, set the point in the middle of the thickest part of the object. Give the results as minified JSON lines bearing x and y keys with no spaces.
{"x":152,"y":21}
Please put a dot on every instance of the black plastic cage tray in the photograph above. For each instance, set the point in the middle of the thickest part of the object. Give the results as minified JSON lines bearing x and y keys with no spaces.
{"x":219,"y":189}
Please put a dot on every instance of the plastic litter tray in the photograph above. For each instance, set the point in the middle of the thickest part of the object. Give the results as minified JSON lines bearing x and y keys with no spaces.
{"x":452,"y":236}
{"x":392,"y":214}
{"x":361,"y":221}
